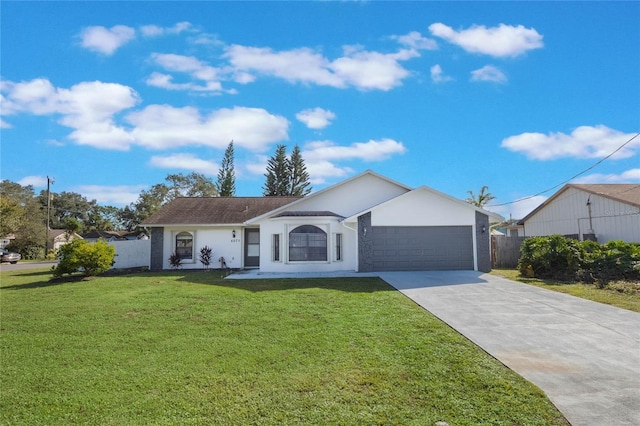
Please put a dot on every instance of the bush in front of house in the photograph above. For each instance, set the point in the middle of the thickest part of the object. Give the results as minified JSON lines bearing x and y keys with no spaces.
{"x":552,"y":257}
{"x":206,"y":253}
{"x":81,"y":256}
{"x":175,"y":260}
{"x":565,"y":259}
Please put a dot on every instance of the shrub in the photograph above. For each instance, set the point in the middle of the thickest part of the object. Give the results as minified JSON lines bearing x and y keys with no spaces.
{"x":558,"y":257}
{"x":615,"y":260}
{"x":29,"y":250}
{"x":205,"y":256}
{"x":553,"y":257}
{"x":81,"y":256}
{"x":175,"y":260}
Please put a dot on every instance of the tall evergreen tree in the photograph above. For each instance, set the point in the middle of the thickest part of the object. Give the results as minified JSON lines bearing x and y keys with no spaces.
{"x":226,"y":183}
{"x":278,"y":177}
{"x":299,"y":177}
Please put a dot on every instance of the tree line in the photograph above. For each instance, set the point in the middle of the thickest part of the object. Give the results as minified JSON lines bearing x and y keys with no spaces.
{"x":24,"y":213}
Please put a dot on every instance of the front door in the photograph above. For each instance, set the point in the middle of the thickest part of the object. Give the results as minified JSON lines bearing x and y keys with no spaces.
{"x":251,"y":247}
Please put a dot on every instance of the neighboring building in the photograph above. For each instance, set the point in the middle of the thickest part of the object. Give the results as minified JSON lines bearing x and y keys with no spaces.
{"x":59,"y":237}
{"x":6,"y":240}
{"x":601,"y":212}
{"x":365,"y":223}
{"x":111,"y":236}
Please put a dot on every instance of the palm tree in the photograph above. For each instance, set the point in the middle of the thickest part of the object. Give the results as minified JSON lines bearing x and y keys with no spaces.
{"x":482,"y":199}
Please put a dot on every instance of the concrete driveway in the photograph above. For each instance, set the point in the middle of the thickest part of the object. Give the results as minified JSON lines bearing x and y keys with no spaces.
{"x":584,"y":355}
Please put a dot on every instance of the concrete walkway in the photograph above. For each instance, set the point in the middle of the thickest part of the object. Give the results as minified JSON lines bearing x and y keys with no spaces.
{"x":584,"y":355}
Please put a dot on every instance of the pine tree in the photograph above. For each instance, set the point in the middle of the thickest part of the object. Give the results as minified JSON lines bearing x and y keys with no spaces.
{"x":278,"y":176}
{"x":299,"y":177}
{"x":226,"y":175}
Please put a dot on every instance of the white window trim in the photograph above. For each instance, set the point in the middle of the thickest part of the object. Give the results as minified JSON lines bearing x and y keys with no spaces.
{"x":273,"y":249}
{"x":334,"y":247}
{"x":193,"y":245}
{"x":285,"y":245}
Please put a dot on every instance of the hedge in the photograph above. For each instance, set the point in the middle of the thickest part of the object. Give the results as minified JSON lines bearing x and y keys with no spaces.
{"x":565,"y":259}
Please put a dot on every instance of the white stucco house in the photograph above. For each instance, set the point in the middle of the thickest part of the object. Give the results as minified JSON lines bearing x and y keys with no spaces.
{"x":366,"y":223}
{"x":601,"y":212}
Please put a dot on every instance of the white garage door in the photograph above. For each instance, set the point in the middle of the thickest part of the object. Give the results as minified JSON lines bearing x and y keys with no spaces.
{"x":411,"y":248}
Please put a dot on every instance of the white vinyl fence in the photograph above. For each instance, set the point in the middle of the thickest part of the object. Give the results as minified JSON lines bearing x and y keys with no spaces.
{"x":132,"y":254}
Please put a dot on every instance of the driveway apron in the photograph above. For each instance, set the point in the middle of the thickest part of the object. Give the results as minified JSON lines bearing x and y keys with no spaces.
{"x":584,"y":355}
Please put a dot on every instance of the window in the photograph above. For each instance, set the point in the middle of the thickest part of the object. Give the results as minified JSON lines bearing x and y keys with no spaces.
{"x":307,"y":243}
{"x":338,"y":253}
{"x":275,"y":249}
{"x":184,"y":245}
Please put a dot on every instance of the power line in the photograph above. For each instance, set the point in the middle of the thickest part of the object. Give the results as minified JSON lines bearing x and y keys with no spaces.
{"x":571,"y":178}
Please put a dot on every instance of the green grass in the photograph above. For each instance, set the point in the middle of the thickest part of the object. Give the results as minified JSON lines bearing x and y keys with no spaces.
{"x":625,"y":295}
{"x":190,"y":348}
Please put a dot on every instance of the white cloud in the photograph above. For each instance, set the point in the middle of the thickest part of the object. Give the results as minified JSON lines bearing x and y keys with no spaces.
{"x":86,"y":107}
{"x":316,"y":118}
{"x":195,"y":68}
{"x":438,"y":76}
{"x":357,"y":68}
{"x":165,"y":81}
{"x":119,"y":195}
{"x":297,"y":65}
{"x":185,"y":161}
{"x":488,"y":73}
{"x":417,"y":41}
{"x":373,"y":150}
{"x":321,"y":171}
{"x":501,"y":41}
{"x":90,"y":109}
{"x":164,"y":126}
{"x":35,"y":181}
{"x":106,"y":40}
{"x":372,"y":70}
{"x":155,"y":30}
{"x":518,"y":209}
{"x":583,"y":142}
{"x":628,"y":176}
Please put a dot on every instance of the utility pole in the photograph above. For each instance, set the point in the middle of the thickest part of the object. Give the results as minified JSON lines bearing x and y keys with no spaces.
{"x":50,"y":182}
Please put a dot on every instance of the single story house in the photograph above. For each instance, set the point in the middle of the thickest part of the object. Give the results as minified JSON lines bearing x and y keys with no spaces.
{"x":60,"y":237}
{"x":600,"y":212}
{"x":366,"y":223}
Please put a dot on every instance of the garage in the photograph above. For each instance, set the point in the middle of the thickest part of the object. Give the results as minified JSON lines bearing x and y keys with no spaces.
{"x":406,"y":248}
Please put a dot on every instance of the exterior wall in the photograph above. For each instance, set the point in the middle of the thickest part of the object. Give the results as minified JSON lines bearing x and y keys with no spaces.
{"x":220,"y":239}
{"x":482,"y":242}
{"x":569,"y":214}
{"x":352,"y":197}
{"x":422,"y":208}
{"x":282,"y":226}
{"x":132,"y":254}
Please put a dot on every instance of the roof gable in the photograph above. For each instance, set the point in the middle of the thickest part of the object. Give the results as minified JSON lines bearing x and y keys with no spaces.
{"x":624,"y":193}
{"x":346,"y":197}
{"x":214,"y":210}
{"x":446,"y":198}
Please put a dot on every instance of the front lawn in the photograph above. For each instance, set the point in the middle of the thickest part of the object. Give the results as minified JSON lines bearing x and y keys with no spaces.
{"x":625,"y":295}
{"x":190,"y":348}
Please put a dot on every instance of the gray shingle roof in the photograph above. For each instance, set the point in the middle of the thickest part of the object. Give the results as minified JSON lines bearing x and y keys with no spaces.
{"x":214,"y":210}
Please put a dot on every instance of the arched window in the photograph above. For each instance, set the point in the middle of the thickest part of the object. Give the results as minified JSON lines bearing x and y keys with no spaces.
{"x":307,"y":243}
{"x":184,"y":245}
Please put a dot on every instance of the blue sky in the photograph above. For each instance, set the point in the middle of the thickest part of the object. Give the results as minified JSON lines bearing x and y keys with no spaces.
{"x":108,"y":98}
